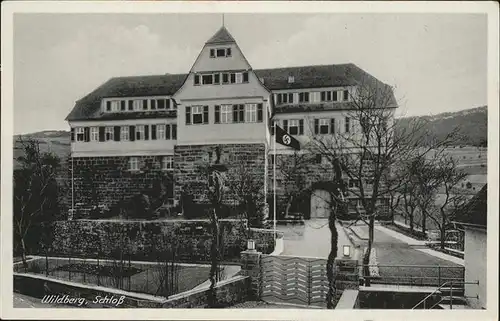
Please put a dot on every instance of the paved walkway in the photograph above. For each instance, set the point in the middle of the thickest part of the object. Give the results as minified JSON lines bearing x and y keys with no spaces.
{"x":312,"y":239}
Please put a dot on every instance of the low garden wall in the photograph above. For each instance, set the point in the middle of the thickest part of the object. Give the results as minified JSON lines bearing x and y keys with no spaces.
{"x":229,"y":292}
{"x":373,"y":298}
{"x":148,"y":240}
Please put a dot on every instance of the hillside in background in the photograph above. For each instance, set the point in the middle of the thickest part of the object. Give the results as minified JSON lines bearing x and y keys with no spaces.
{"x":472,"y":123}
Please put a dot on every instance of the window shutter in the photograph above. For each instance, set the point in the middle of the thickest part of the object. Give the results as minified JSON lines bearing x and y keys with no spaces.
{"x":235,"y":113}
{"x":285,"y":125}
{"x":167,"y":102}
{"x":108,"y":106}
{"x":259,"y":112}
{"x":167,"y":131}
{"x":316,"y":126}
{"x":145,"y":104}
{"x":72,"y":134}
{"x":86,"y":134}
{"x":323,"y":98}
{"x":188,"y":115}
{"x":132,"y":133}
{"x":217,"y":114}
{"x":301,"y":127}
{"x":153,"y":103}
{"x":123,"y":105}
{"x":153,"y":132}
{"x":116,"y":135}
{"x":130,"y":105}
{"x":146,"y":132}
{"x":174,"y":131}
{"x":205,"y":114}
{"x":242,"y":113}
{"x":101,"y":134}
{"x":332,"y":126}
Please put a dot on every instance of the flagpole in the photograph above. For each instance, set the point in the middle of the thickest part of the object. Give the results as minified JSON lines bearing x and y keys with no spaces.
{"x":274,"y":180}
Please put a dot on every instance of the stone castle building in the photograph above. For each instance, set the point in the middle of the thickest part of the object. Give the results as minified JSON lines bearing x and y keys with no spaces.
{"x":154,"y":135}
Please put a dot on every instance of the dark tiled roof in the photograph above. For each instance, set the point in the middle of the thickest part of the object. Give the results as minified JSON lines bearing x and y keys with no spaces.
{"x":221,"y":36}
{"x":89,"y":106}
{"x":298,"y":108}
{"x":274,"y":79}
{"x":136,"y":115}
{"x":476,"y":210}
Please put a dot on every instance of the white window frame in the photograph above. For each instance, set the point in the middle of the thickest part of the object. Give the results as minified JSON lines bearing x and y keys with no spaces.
{"x":324,"y":122}
{"x":347,"y":125}
{"x":94,"y":134}
{"x":251,"y":113}
{"x":111,"y":132}
{"x":133,"y":163}
{"x":293,"y":123}
{"x":140,"y":129}
{"x":115,"y":105}
{"x":167,"y":163}
{"x":124,"y":133}
{"x":196,"y":110}
{"x":160,"y":131}
{"x":226,"y":114}
{"x":79,"y":131}
{"x":239,"y":77}
{"x":138,"y":105}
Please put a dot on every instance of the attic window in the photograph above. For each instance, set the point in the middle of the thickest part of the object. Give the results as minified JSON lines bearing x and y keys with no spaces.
{"x":221,"y":52}
{"x":291,"y":79}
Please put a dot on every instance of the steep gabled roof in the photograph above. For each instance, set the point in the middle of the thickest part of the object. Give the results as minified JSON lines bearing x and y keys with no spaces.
{"x":475,"y":212}
{"x":321,"y":76}
{"x":221,"y":36}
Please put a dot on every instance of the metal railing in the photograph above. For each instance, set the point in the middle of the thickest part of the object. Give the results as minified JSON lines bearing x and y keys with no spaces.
{"x":412,"y":275}
{"x":450,"y":283}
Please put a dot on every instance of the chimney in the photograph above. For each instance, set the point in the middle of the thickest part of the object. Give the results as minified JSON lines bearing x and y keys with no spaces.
{"x":291,"y":79}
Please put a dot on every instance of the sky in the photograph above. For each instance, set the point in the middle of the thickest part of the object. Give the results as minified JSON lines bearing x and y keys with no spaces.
{"x":436,"y":62}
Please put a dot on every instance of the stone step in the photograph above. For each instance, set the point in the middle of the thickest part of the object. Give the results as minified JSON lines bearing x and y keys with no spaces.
{"x":454,"y":299}
{"x":453,"y":307}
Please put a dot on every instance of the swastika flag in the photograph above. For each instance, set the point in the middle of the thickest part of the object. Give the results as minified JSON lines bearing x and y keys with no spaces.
{"x":286,"y":139}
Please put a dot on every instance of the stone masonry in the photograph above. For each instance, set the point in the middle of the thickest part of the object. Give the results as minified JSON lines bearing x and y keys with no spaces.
{"x":108,"y":180}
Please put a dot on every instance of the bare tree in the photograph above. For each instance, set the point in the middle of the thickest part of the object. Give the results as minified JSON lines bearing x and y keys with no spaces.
{"x":371,"y":145}
{"x":35,"y":190}
{"x":448,"y":177}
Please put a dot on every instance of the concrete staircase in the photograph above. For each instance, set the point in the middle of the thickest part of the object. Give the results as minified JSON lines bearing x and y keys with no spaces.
{"x":452,"y":298}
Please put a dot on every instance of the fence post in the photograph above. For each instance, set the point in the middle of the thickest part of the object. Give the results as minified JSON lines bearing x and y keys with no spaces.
{"x":439,"y":275}
{"x":451,"y":295}
{"x":251,"y":266}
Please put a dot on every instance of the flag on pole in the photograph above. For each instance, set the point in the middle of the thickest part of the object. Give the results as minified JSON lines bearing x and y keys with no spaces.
{"x":284,"y":138}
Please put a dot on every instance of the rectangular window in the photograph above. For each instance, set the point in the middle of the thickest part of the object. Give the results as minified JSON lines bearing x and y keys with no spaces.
{"x":251,"y":113}
{"x":335,"y":96}
{"x":304,"y":97}
{"x":94,"y":134}
{"x":196,"y":79}
{"x":160,"y":131}
{"x":108,"y":106}
{"x":217,"y":78}
{"x":239,"y":77}
{"x":137,"y":105}
{"x":167,"y":163}
{"x":324,"y":127}
{"x":125,"y":133}
{"x":123,"y":105}
{"x":221,"y":52}
{"x":153,"y":104}
{"x":212,"y":53}
{"x":226,"y":114}
{"x":245,"y":77}
{"x":115,"y":105}
{"x":160,"y":104}
{"x":225,"y":78}
{"x":346,"y":95}
{"x":144,"y":104}
{"x":197,"y":112}
{"x":293,"y":126}
{"x":285,"y":98}
{"x":133,"y":164}
{"x":80,"y":136}
{"x":228,"y":52}
{"x":347,"y":124}
{"x":109,"y":133}
{"x":207,"y":79}
{"x":139,"y":132}
{"x":233,"y":77}
{"x":238,"y":113}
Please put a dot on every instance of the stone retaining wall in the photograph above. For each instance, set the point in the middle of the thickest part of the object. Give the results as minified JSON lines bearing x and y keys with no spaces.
{"x":145,"y":240}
